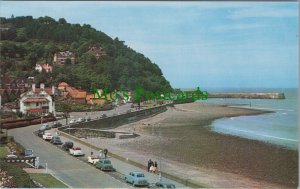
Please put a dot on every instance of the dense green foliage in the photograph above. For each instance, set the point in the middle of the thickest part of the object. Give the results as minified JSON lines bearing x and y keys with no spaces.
{"x":26,"y":41}
{"x":66,"y":108}
{"x":20,"y":177}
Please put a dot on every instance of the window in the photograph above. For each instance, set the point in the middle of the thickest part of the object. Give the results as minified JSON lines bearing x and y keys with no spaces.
{"x":37,"y":104}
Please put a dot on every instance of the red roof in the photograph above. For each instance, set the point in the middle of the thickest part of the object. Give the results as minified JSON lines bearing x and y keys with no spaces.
{"x":76,"y":148}
{"x":36,"y":110}
{"x":28,"y":100}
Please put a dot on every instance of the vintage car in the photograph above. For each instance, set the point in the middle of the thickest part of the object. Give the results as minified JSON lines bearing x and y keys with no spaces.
{"x":93,"y":159}
{"x":76,"y":151}
{"x":40,"y":133}
{"x":161,"y":184}
{"x":79,"y":120}
{"x":47,"y":136}
{"x":46,"y":126}
{"x":67,"y":145}
{"x":56,"y":124}
{"x":72,"y":121}
{"x":136,"y":178}
{"x":56,"y":140}
{"x":104,"y":165}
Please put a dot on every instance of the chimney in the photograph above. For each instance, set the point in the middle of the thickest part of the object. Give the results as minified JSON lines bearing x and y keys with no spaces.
{"x":53,"y":90}
{"x":42,"y":86}
{"x":33,"y":87}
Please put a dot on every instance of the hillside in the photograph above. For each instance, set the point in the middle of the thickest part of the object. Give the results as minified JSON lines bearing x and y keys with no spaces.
{"x":26,"y":41}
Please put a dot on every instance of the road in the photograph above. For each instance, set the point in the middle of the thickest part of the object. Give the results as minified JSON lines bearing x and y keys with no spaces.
{"x":70,"y":170}
{"x":73,"y":171}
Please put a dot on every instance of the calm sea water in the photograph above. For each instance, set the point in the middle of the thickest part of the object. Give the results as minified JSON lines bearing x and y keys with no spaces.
{"x":280,"y":127}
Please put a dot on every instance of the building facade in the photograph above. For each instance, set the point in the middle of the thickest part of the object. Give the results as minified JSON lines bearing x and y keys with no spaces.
{"x":37,"y":102}
{"x":61,"y":57}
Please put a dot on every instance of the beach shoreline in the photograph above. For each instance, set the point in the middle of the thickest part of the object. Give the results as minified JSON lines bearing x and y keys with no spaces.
{"x":181,"y":140}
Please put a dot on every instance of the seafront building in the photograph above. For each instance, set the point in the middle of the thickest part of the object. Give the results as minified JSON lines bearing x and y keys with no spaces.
{"x":38,"y":101}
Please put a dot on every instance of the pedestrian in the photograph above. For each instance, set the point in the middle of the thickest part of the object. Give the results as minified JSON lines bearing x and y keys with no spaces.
{"x":149,"y":164}
{"x":155,"y":167}
{"x":105,"y":151}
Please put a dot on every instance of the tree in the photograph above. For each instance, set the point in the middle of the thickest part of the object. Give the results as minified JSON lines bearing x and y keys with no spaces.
{"x":66,"y":109}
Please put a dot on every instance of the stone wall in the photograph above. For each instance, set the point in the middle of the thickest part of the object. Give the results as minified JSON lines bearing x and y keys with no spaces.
{"x":117,"y":120}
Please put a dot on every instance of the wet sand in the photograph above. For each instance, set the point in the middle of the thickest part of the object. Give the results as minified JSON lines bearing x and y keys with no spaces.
{"x":182,"y":140}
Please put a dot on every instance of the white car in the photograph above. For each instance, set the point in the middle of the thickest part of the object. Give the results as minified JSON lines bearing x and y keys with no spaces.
{"x":76,"y":151}
{"x":47,"y":136}
{"x":72,"y":121}
{"x":79,"y":120}
{"x":93,"y":159}
{"x":11,"y":156}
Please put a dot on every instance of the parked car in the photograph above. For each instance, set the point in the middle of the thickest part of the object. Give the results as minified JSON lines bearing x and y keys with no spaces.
{"x":46,"y":126}
{"x":67,"y":145}
{"x":162,"y":184}
{"x":56,"y":140}
{"x":28,"y":153}
{"x":47,"y":136}
{"x":76,"y":151}
{"x":105,"y":165}
{"x":40,"y":133}
{"x":72,"y":121}
{"x":136,"y":178}
{"x":93,"y":159}
{"x":87,"y":118}
{"x":56,"y":124}
{"x":42,"y":128}
{"x":9,"y":156}
{"x":79,"y":120}
{"x":103,"y":116}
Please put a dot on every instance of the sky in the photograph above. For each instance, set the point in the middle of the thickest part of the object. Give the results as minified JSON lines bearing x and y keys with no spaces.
{"x":205,"y":44}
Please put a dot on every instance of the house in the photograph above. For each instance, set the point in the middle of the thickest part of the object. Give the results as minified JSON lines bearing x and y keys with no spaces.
{"x":72,"y":94}
{"x":41,"y":67}
{"x":61,"y":57}
{"x":37,"y":101}
{"x":97,"y":52}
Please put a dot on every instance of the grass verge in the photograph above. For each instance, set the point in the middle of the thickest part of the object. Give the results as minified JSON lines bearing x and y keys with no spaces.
{"x":3,"y":151}
{"x":47,"y":180}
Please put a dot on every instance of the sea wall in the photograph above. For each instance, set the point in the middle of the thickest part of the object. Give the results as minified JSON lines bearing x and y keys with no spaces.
{"x":117,"y":120}
{"x":247,"y":95}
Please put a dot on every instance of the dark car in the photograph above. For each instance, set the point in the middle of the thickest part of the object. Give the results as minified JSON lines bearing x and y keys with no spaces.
{"x":56,"y":124}
{"x":162,"y":184}
{"x":105,"y":165}
{"x":40,"y":133}
{"x":67,"y":145}
{"x":56,"y":140}
{"x":103,"y":115}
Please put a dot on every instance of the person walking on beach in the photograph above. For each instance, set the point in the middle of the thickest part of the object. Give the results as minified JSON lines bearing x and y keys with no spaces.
{"x":105,"y":151}
{"x":149,"y":164}
{"x":155,"y":167}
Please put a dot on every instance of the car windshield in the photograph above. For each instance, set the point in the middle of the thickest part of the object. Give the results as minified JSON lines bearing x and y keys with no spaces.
{"x":107,"y":162}
{"x":140,"y":175}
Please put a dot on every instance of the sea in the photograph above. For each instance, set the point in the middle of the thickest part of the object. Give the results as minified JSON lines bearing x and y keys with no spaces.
{"x":279,"y":128}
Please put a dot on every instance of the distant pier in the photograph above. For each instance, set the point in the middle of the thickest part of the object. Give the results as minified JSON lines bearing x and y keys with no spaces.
{"x":247,"y":95}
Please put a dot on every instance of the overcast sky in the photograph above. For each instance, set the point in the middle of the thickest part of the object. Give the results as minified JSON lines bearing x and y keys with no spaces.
{"x":228,"y":45}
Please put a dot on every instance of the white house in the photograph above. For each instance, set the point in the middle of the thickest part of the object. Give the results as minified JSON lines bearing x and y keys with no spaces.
{"x":37,"y":101}
{"x":38,"y":67}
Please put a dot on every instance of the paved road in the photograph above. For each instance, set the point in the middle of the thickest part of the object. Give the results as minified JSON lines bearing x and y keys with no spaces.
{"x":94,"y":115}
{"x":70,"y":170}
{"x":121,"y":166}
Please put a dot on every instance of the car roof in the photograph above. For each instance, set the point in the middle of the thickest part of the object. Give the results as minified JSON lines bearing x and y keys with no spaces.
{"x":137,"y":172}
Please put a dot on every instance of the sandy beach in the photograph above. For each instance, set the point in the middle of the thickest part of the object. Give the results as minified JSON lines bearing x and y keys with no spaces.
{"x":181,"y":141}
